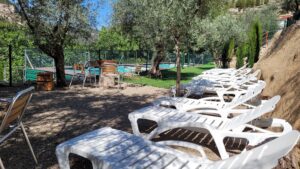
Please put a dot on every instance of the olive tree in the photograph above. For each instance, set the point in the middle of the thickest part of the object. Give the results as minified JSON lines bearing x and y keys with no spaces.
{"x":163,"y":23}
{"x":214,"y":33}
{"x":53,"y":23}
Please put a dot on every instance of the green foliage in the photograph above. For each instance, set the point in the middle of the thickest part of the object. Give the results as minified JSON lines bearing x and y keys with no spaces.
{"x":156,"y":23}
{"x":241,"y":53}
{"x":291,"y":5}
{"x":212,"y":34}
{"x":16,"y":36}
{"x":228,"y":53}
{"x":243,"y":4}
{"x":257,"y":2}
{"x":254,"y":42}
{"x":267,"y":16}
{"x":53,"y":24}
{"x":112,"y":39}
{"x":5,"y":2}
{"x":230,"y":50}
{"x":259,"y":36}
{"x":252,"y":45}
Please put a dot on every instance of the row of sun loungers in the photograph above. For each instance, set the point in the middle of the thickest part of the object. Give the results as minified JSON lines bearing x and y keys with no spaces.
{"x":234,"y":115}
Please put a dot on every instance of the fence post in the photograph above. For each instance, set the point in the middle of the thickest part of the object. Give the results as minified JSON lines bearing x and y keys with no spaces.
{"x":10,"y":64}
{"x":147,"y":61}
{"x":135,"y":56}
{"x":99,"y":53}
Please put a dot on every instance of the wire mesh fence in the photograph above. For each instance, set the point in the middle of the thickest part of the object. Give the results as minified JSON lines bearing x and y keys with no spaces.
{"x":10,"y":72}
{"x":22,"y":66}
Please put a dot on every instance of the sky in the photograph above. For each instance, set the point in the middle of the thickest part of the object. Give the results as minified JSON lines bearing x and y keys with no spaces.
{"x":105,"y":13}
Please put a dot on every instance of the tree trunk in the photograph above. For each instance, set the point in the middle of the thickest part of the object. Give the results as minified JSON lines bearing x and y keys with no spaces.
{"x":178,"y":66}
{"x":224,"y":60}
{"x":59,"y":60}
{"x":155,"y":71}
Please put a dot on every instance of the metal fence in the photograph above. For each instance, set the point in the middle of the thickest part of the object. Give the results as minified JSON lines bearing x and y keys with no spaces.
{"x":9,"y":73}
{"x":34,"y":58}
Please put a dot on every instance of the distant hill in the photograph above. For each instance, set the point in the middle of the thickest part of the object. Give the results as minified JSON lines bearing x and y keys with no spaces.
{"x":8,"y":13}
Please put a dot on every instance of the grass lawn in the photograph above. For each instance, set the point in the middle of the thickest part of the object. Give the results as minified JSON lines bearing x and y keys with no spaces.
{"x":169,"y":76}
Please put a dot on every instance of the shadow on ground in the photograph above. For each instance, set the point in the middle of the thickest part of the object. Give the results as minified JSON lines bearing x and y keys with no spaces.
{"x":53,"y":117}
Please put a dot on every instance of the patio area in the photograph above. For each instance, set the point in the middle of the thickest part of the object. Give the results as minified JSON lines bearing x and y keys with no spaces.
{"x":53,"y":117}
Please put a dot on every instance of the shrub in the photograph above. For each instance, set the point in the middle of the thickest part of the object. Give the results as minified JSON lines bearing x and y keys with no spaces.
{"x":257,"y":3}
{"x":241,"y":4}
{"x":241,"y":53}
{"x":228,"y":53}
{"x":255,"y":42}
{"x":259,"y":36}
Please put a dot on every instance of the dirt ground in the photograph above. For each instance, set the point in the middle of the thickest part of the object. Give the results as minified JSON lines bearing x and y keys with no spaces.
{"x":280,"y":67}
{"x":56,"y":116}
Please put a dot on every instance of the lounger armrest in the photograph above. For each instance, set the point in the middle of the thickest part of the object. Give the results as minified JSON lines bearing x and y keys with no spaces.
{"x":211,"y":98}
{"x":248,"y":105}
{"x":274,"y":122}
{"x":222,"y":113}
{"x":186,"y":145}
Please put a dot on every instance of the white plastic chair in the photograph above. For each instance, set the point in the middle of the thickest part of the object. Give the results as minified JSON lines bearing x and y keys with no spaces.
{"x":114,"y":149}
{"x":1,"y":164}
{"x":218,"y":127}
{"x":13,"y":118}
{"x":84,"y":72}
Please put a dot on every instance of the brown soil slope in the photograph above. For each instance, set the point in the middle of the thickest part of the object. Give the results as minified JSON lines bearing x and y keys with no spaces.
{"x":281,"y":71}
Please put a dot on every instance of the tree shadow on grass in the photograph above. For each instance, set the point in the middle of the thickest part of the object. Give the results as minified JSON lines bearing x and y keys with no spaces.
{"x":54,"y":117}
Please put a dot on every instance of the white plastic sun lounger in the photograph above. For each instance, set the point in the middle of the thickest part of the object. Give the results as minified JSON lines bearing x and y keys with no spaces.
{"x":222,"y":70}
{"x":114,"y":149}
{"x":219,"y":128}
{"x":228,"y":71}
{"x":226,"y":77}
{"x":201,"y":86}
{"x":212,"y":103}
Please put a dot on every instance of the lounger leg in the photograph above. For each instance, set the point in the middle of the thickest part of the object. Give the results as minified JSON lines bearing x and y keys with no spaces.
{"x":1,"y":164}
{"x":28,"y":142}
{"x":71,"y":81}
{"x":119,"y":82}
{"x":84,"y":81}
{"x":62,"y":158}
{"x":219,"y":143}
{"x":134,"y":125}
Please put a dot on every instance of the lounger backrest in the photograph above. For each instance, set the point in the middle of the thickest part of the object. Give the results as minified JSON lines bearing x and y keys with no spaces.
{"x":246,"y":117}
{"x":256,"y":73}
{"x":78,"y":67}
{"x":91,"y":63}
{"x":109,"y":68}
{"x":16,"y":108}
{"x":251,"y":92}
{"x":263,"y":156}
{"x":243,"y":72}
